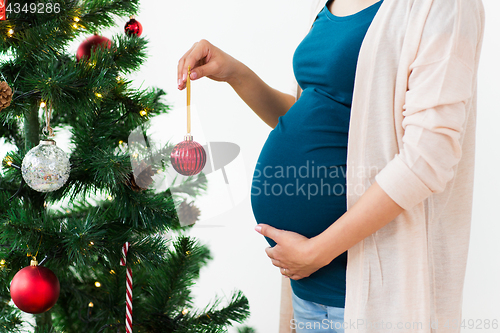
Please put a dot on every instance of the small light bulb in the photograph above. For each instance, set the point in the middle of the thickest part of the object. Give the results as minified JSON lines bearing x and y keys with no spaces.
{"x":75,"y":25}
{"x":11,"y":32}
{"x":8,"y":160}
{"x":185,"y":311}
{"x":112,"y":272}
{"x":98,"y":95}
{"x":120,"y":142}
{"x":91,"y":243}
{"x":143,"y":113}
{"x":110,"y":197}
{"x":76,"y":19}
{"x":43,"y":104}
{"x":97,"y":284}
{"x":118,"y":78}
{"x":2,"y":262}
{"x":91,"y":305}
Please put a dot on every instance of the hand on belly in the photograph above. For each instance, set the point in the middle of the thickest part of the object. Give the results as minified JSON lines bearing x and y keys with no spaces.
{"x":293,"y":253}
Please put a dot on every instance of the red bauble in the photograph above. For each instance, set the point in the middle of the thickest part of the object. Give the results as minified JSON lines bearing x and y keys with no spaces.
{"x":133,"y":27}
{"x":34,"y":289}
{"x":85,"y":48}
{"x":188,"y":157}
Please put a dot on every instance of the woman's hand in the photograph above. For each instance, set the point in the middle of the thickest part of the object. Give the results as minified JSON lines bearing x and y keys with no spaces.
{"x":299,"y":257}
{"x":293,"y":253}
{"x":206,"y":60}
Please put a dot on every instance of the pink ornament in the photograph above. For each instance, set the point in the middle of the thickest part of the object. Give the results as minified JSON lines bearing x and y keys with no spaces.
{"x":188,"y":157}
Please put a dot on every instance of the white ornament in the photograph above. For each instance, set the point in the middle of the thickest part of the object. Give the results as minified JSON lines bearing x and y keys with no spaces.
{"x":46,"y":167}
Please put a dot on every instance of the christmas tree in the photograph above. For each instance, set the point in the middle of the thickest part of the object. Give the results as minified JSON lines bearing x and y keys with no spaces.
{"x":79,"y":230}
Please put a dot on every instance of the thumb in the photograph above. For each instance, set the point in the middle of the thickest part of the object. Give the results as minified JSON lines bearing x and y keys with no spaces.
{"x":269,"y":232}
{"x":205,"y":70}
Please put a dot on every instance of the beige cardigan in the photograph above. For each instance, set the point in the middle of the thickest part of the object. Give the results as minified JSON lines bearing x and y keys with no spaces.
{"x":412,"y":130}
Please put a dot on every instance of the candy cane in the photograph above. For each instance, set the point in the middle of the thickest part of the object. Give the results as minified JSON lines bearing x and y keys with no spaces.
{"x":123,"y":262}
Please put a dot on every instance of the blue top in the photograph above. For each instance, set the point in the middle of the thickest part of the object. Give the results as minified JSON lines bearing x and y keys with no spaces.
{"x":299,"y":182}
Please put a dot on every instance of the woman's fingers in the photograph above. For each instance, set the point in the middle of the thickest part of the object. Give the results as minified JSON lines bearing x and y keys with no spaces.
{"x":199,"y":55}
{"x":276,"y":263}
{"x":180,"y":65}
{"x":206,"y":60}
{"x":286,"y":272}
{"x":204,"y":70}
{"x":270,"y":252}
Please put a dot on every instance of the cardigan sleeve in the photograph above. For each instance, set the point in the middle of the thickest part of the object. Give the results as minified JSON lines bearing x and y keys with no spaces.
{"x":441,"y":84}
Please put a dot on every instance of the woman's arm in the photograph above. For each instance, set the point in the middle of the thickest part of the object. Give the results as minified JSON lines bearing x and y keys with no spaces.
{"x":302,"y":256}
{"x":207,"y":60}
{"x":268,"y":103}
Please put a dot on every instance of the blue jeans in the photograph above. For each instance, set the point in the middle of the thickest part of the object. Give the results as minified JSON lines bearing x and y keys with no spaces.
{"x":310,"y":317}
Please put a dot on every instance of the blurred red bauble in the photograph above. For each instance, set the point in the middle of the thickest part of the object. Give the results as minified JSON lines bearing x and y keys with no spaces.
{"x":85,"y":48}
{"x":133,"y":27}
{"x":34,"y":289}
{"x":188,"y":157}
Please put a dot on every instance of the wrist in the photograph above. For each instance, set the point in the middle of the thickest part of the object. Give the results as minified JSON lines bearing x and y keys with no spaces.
{"x":237,"y":76}
{"x":320,"y":253}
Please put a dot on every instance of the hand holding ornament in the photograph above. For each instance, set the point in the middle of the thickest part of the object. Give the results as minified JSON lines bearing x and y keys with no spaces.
{"x":207,"y":60}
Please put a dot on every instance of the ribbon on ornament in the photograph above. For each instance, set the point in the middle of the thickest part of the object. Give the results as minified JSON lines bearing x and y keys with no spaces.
{"x":128,"y":314}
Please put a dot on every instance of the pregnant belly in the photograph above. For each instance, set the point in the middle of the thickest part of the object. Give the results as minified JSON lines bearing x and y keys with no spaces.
{"x":291,"y":191}
{"x":299,"y":181}
{"x":298,"y":206}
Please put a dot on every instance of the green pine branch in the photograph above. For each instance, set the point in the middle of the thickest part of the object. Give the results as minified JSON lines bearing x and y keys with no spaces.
{"x":79,"y":230}
{"x":100,"y":13}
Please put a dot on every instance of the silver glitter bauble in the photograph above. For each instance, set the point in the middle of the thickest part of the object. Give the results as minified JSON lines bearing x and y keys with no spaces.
{"x":46,"y":167}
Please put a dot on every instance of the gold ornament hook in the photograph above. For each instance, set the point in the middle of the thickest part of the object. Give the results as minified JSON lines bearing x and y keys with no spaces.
{"x":188,"y":86}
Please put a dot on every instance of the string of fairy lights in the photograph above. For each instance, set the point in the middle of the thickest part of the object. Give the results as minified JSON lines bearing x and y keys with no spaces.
{"x":78,"y":24}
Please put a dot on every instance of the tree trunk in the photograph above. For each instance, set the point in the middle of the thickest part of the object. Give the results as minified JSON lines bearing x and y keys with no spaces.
{"x":32,"y":128}
{"x":36,"y":201}
{"x":32,"y":139}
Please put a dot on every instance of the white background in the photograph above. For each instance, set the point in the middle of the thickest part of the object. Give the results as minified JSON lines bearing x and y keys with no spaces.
{"x":263,"y":34}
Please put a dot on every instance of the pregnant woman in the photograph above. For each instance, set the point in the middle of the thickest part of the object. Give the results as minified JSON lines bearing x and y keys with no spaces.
{"x":375,"y":157}
{"x":299,"y":183}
